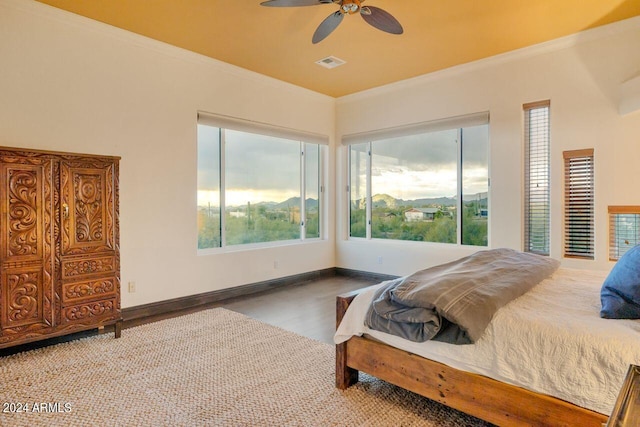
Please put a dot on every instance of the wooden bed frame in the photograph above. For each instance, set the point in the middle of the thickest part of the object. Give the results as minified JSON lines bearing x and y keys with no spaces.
{"x":491,"y":400}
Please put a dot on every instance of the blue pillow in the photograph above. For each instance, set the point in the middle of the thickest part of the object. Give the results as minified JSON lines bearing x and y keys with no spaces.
{"x":620,"y":294}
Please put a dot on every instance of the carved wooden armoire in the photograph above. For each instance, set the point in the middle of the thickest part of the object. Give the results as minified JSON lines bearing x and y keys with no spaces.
{"x":59,"y":244}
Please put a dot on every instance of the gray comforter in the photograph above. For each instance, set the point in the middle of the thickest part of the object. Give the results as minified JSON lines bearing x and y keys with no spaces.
{"x":455,"y":302}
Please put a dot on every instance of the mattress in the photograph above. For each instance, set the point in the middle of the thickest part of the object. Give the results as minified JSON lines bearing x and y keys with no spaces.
{"x":551,"y":340}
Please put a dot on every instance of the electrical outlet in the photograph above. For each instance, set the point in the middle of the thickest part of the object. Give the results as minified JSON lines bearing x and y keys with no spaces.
{"x":379,"y":260}
{"x":132,"y":287}
{"x":275,"y":265}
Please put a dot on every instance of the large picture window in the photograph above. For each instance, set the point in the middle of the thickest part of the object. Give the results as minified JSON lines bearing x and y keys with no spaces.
{"x":256,"y":188}
{"x":428,"y":186}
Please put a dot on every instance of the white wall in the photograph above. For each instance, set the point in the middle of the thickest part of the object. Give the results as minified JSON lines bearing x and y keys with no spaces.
{"x":581,"y":75}
{"x":71,"y":84}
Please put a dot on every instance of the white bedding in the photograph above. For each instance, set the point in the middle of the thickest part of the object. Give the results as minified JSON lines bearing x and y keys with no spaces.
{"x":550,"y":340}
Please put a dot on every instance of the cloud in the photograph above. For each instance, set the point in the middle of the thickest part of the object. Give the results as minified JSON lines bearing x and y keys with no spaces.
{"x":407,"y":167}
{"x":421,"y":166}
{"x":433,"y":151}
{"x":475,"y":146}
{"x":208,"y":158}
{"x":261,"y":162}
{"x":264,"y":167}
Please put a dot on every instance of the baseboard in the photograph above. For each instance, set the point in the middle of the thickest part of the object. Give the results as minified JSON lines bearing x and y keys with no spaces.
{"x":191,"y":301}
{"x":378,"y":277}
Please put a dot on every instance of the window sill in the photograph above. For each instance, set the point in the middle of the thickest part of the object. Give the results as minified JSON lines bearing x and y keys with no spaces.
{"x":258,"y":246}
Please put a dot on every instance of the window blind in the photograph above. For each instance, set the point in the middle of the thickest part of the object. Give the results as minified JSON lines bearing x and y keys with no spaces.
{"x":624,"y":230}
{"x":537,"y":195}
{"x":468,"y":120}
{"x":227,"y":122}
{"x":579,"y":204}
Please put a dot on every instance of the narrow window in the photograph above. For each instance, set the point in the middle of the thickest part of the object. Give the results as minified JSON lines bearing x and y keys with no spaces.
{"x":358,"y":159}
{"x":537,"y":177}
{"x":624,"y":230}
{"x":313,"y":190}
{"x":474,"y":141}
{"x":209,"y":219}
{"x":578,"y":204}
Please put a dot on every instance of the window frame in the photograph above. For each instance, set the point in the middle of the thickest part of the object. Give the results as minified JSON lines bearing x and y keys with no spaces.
{"x":367,"y":192}
{"x":579,"y":204}
{"x":303,"y":139}
{"x":614,"y":211}
{"x":536,"y":161}
{"x":455,"y":123}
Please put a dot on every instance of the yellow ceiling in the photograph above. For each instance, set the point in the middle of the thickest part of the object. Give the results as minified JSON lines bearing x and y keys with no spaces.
{"x":276,"y":41}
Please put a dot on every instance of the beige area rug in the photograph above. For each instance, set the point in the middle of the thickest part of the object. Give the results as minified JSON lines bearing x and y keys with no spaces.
{"x":212,"y":368}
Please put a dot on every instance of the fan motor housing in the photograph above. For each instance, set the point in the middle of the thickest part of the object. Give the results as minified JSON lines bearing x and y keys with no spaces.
{"x":350,"y":6}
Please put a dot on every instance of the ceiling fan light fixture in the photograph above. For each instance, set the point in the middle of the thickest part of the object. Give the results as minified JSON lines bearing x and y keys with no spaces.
{"x":350,"y":7}
{"x":372,"y":15}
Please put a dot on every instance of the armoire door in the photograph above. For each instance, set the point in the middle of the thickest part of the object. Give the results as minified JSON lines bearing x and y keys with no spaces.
{"x":27,"y":295}
{"x":89,"y":259}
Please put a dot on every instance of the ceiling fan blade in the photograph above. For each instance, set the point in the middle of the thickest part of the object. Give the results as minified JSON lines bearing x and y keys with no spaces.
{"x":293,"y":3}
{"x":381,"y":19}
{"x":327,"y":26}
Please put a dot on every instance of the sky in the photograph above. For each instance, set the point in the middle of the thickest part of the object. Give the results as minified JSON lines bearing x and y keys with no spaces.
{"x":263,"y":168}
{"x":405,"y":170}
{"x":258,"y":168}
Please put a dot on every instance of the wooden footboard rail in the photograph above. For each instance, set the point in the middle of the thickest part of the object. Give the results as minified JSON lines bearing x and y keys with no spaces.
{"x":499,"y":403}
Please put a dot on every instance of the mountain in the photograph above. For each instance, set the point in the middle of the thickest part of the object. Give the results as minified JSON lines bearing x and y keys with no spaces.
{"x":379,"y":201}
{"x":295,"y":201}
{"x":387,"y":201}
{"x":291,"y":202}
{"x":384,"y":201}
{"x":438,"y":201}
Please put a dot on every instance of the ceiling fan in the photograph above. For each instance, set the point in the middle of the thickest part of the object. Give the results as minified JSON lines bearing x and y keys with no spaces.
{"x":374,"y":16}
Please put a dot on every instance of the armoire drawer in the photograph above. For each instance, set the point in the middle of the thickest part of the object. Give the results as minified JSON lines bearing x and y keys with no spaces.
{"x":76,"y":268}
{"x":90,"y":312}
{"x":101,"y":288}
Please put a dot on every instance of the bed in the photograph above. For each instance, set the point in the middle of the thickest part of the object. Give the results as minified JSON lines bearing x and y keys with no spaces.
{"x":580,"y":359}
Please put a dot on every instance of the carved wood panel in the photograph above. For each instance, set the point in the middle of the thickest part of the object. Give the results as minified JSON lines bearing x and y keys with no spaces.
{"x":73,"y":268}
{"x":90,"y":312}
{"x":26,"y":263}
{"x":87,"y":207}
{"x":22,"y":297}
{"x":90,"y":289}
{"x":22,"y":213}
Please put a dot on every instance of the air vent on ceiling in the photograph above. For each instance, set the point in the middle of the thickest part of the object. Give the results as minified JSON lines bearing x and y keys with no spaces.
{"x":330,"y":62}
